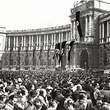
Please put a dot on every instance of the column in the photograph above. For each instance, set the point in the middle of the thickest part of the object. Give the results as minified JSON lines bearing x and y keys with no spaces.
{"x":69,"y":35}
{"x":14,"y":43}
{"x":90,"y":25}
{"x":39,"y":41}
{"x":17,"y":41}
{"x":22,"y":42}
{"x":100,"y":33}
{"x":47,"y":40}
{"x":29,"y":42}
{"x":54,"y":39}
{"x":62,"y":37}
{"x":66,"y":36}
{"x":107,"y":31}
{"x":59,"y":38}
{"x":44,"y":42}
{"x":74,"y":30}
{"x":32,"y":42}
{"x":9,"y":43}
{"x":71,"y":30}
{"x":86,"y":26}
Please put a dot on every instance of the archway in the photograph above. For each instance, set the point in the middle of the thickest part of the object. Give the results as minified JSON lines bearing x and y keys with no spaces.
{"x":84,"y":59}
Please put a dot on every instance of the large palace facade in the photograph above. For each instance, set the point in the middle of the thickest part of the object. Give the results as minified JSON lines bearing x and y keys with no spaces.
{"x":88,"y":32}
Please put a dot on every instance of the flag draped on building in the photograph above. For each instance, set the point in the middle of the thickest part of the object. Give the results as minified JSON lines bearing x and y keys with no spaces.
{"x":78,"y":24}
{"x":57,"y":48}
{"x":61,"y":53}
{"x":41,"y":49}
{"x":26,"y":57}
{"x":70,"y":47}
{"x":48,"y":53}
{"x":19,"y":49}
{"x":34,"y":50}
{"x":63,"y":47}
{"x":10,"y":58}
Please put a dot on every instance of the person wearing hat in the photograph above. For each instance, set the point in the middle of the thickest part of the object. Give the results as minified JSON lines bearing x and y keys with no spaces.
{"x":60,"y":99}
{"x":83,"y":103}
{"x":43,"y":98}
{"x":76,"y":92}
{"x":99,"y":104}
{"x":68,"y":103}
{"x":49,"y":91}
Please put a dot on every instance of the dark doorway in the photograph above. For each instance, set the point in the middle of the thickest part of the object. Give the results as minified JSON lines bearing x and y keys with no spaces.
{"x":84,"y":59}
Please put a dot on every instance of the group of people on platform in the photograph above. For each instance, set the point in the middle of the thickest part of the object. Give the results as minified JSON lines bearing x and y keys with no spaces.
{"x":54,"y":90}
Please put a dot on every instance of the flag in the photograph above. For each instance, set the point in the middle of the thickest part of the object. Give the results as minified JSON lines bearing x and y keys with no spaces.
{"x":48,"y":52}
{"x":26,"y":57}
{"x":19,"y":49}
{"x":78,"y":24}
{"x":62,"y":50}
{"x":40,"y":52}
{"x":59,"y":53}
{"x":56,"y":46}
{"x":70,"y":47}
{"x":11,"y":49}
{"x":34,"y":49}
{"x":63,"y":46}
{"x":34,"y":60}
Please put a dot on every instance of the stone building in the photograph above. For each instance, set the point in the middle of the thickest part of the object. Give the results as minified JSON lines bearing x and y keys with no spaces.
{"x":35,"y":48}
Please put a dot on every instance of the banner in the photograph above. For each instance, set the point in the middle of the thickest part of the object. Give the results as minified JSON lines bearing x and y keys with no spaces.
{"x":70,"y":47}
{"x":63,"y":46}
{"x":26,"y":57}
{"x":11,"y":61}
{"x":19,"y":49}
{"x":78,"y":24}
{"x":41,"y":52}
{"x":34,"y":50}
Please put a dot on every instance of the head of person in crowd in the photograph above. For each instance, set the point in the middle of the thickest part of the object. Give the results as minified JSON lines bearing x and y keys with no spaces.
{"x":42,"y":92}
{"x":38,"y":104}
{"x":79,"y":87}
{"x":82,"y":95}
{"x":99,"y":102}
{"x":49,"y":89}
{"x":68,"y":93}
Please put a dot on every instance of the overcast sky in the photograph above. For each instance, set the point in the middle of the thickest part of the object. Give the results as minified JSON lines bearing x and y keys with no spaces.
{"x":32,"y":14}
{"x":28,"y":14}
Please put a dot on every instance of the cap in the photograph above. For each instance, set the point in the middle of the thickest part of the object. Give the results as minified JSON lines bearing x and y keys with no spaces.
{"x":83,"y":92}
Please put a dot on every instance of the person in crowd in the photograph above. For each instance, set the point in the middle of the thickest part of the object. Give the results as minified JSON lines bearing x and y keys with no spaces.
{"x":68,"y":103}
{"x":99,"y":104}
{"x":83,"y":103}
{"x":54,"y":90}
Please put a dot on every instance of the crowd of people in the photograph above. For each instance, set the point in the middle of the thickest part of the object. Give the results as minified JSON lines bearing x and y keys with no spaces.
{"x":54,"y":90}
